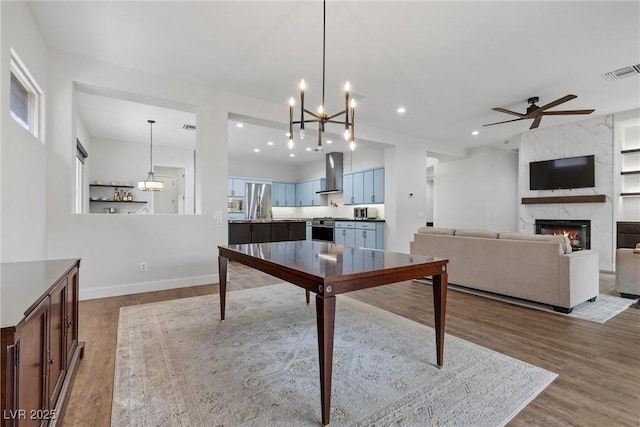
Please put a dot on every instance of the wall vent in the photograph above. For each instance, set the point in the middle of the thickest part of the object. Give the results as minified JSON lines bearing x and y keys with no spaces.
{"x":188,"y":126}
{"x":632,"y":70}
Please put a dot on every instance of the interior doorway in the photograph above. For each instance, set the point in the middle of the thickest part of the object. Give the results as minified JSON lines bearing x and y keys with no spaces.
{"x":171,"y":200}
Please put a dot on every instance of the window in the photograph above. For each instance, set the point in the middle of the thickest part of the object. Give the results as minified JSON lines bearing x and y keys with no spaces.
{"x":81,"y":157}
{"x":25,"y":97}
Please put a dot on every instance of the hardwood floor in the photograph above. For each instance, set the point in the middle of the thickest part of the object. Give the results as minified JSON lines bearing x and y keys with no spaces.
{"x":598,"y":365}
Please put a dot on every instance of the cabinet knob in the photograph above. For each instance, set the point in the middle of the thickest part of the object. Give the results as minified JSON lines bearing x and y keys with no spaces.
{"x":50,"y":361}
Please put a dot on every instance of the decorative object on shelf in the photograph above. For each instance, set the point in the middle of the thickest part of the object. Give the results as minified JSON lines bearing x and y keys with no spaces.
{"x":151,"y":184}
{"x":321,"y":117}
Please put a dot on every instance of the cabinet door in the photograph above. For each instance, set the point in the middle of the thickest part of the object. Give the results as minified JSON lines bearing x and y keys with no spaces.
{"x":303,"y":193}
{"x":279,"y":231}
{"x":358,"y":188}
{"x":297,"y":231}
{"x":317,"y":185}
{"x":260,"y":233}
{"x":347,"y":189}
{"x":31,"y":372}
{"x":290,"y":195}
{"x":339,"y":235}
{"x":278,"y":194}
{"x":368,"y":186}
{"x":366,"y":239}
{"x":308,"y":231}
{"x":236,"y":187}
{"x":71,"y":314}
{"x":239,"y":233}
{"x":57,"y":341}
{"x":378,"y":186}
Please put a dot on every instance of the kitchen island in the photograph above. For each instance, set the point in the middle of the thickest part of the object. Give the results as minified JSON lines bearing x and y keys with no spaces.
{"x":266,"y":230}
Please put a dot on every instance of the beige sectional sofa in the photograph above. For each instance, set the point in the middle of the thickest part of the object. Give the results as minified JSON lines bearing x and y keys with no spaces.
{"x":527,"y":266}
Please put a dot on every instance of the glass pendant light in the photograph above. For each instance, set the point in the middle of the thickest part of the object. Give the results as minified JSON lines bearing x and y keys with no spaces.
{"x":151,"y":184}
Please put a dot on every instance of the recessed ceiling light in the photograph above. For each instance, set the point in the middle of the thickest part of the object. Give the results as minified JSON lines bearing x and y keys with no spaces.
{"x":308,"y":148}
{"x":401,"y":110}
{"x":291,"y":155}
{"x":329,"y":141}
{"x":256,"y":150}
{"x":239,"y":125}
{"x":475,"y":132}
{"x":270,"y":143}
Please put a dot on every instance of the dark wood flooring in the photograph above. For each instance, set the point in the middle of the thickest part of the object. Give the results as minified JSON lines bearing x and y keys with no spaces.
{"x":598,"y":365}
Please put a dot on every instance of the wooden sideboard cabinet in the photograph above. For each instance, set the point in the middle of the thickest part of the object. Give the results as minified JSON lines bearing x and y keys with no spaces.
{"x":40,"y":347}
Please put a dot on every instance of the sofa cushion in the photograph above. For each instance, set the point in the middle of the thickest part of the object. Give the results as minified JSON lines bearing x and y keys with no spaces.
{"x":565,"y":244}
{"x":434,"y":230}
{"x":477,"y":233}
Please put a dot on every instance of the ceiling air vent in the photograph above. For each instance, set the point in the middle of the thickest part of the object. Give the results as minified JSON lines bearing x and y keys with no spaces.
{"x":188,"y":126}
{"x":632,"y":70}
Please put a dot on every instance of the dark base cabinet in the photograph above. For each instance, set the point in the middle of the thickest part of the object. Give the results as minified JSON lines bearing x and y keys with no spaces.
{"x":261,"y":232}
{"x":628,"y":234}
{"x":41,"y":353}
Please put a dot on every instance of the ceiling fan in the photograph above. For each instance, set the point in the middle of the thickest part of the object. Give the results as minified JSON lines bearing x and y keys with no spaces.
{"x":534,"y":112}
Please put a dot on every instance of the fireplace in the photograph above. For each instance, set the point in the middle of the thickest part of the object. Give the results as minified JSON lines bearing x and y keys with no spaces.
{"x":577,"y":230}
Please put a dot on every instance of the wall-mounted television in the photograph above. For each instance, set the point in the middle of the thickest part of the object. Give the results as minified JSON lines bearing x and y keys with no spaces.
{"x":568,"y":172}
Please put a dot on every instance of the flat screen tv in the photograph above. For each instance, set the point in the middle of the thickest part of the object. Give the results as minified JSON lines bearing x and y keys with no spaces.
{"x":568,"y":172}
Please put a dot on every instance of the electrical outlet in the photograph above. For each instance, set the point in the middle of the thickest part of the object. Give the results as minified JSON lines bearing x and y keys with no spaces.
{"x":143,"y":266}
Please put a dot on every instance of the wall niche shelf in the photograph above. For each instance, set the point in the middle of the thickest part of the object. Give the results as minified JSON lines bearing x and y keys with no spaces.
{"x":630,"y":194}
{"x":115,"y":201}
{"x":111,"y":185}
{"x":631,"y":151}
{"x":630,"y":172}
{"x":595,"y":198}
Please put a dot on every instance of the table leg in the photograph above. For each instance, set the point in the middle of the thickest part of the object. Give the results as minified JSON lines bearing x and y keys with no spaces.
{"x":439,"y":308}
{"x":308,"y":295}
{"x":326,"y":315}
{"x":222,"y":273}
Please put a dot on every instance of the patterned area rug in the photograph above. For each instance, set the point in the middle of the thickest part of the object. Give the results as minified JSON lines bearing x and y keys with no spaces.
{"x":177,"y":364}
{"x":606,"y":306}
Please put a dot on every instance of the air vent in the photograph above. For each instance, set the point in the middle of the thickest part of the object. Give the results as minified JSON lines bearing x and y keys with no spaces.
{"x":622,"y":73}
{"x":188,"y":126}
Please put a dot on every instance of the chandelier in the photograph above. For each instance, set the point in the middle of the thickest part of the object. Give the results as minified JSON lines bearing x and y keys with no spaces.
{"x":151,"y":184}
{"x":321,"y":117}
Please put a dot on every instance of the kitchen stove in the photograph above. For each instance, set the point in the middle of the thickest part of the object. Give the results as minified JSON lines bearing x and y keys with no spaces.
{"x":322,"y":228}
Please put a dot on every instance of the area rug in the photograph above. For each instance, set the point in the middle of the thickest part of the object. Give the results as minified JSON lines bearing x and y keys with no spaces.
{"x":177,"y":364}
{"x":605,"y":307}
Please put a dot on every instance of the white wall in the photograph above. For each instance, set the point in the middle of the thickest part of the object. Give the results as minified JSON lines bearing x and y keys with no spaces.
{"x":479,"y":191}
{"x":24,"y":167}
{"x":278,"y":172}
{"x":118,"y":161}
{"x":592,"y":136}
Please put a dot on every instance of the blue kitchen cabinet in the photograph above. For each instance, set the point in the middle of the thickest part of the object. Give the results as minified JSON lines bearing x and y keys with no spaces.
{"x":290,"y":194}
{"x":235,"y":187}
{"x":347,"y":188}
{"x":358,"y":188}
{"x":278,"y":194}
{"x":306,"y":193}
{"x":345,"y":233}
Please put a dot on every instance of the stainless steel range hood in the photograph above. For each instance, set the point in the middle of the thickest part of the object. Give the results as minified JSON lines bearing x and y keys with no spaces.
{"x":334,"y":167}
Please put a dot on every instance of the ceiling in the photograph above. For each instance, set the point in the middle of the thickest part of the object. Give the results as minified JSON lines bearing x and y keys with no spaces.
{"x":448,"y":63}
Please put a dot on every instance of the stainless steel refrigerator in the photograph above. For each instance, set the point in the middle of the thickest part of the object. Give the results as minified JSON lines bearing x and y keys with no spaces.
{"x":258,"y":204}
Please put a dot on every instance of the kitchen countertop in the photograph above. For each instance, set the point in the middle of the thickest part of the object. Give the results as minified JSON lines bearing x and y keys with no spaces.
{"x":251,"y":221}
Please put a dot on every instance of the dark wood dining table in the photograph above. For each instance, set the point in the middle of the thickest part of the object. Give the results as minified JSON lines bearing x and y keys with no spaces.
{"x":327,"y":270}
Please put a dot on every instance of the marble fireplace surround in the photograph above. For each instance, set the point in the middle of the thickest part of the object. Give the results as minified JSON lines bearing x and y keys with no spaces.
{"x":594,"y":136}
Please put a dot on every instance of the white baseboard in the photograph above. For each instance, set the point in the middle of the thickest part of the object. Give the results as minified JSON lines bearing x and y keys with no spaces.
{"x":138,"y":288}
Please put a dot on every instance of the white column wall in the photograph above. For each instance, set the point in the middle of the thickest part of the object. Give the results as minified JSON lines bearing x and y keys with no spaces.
{"x":478,"y":192}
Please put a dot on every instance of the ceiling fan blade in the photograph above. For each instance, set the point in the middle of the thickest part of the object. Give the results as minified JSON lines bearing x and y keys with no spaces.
{"x":557,"y":102}
{"x":502,"y":110}
{"x":536,"y":122}
{"x":566,"y":112}
{"x":506,"y":121}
